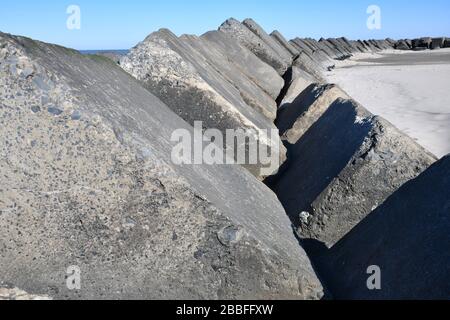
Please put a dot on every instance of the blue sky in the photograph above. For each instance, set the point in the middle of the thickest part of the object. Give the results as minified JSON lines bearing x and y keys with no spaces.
{"x":118,"y":24}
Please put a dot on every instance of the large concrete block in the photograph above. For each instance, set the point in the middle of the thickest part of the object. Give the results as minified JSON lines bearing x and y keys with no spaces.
{"x":256,"y":44}
{"x":319,"y":53}
{"x":248,"y":63}
{"x":447,"y":43}
{"x":370,"y":45}
{"x":298,"y":82}
{"x":302,"y":45}
{"x":406,"y":239}
{"x":438,"y":43}
{"x":391,"y":41}
{"x":402,"y":45}
{"x":297,"y":116}
{"x":277,"y":36}
{"x":340,"y":46}
{"x":363,"y":159}
{"x":327,"y":50}
{"x":422,"y":43}
{"x":88,"y":180}
{"x":219,"y":60}
{"x":276,"y":47}
{"x":361,"y":44}
{"x":310,"y":65}
{"x":185,"y":75}
{"x":338,"y":53}
{"x":346,"y":44}
{"x":358,"y":47}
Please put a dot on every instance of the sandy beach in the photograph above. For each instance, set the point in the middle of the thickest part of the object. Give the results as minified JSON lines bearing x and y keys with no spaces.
{"x":409,"y":89}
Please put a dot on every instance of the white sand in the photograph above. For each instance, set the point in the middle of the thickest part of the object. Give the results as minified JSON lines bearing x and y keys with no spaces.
{"x":409,"y":89}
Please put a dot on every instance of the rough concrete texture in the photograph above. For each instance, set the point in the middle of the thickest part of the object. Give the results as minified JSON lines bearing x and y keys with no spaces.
{"x":318,"y":53}
{"x":329,"y":49}
{"x":196,"y":80}
{"x":363,"y":159}
{"x":338,"y":53}
{"x":88,"y":181}
{"x":277,"y":36}
{"x":421,"y":43}
{"x":406,"y":237}
{"x":276,"y":47}
{"x":326,"y":50}
{"x":298,"y":82}
{"x":438,"y":43}
{"x":415,"y":43}
{"x":370,"y":45}
{"x":375,"y":44}
{"x":297,"y":117}
{"x":390,"y":41}
{"x":340,"y":46}
{"x":359,"y":46}
{"x":402,"y":45}
{"x":349,"y":44}
{"x":248,"y":63}
{"x":447,"y":43}
{"x":425,"y":42}
{"x":251,"y":94}
{"x":310,"y":65}
{"x":301,"y":45}
{"x":387,"y":44}
{"x":315,"y":57}
{"x":345,"y":45}
{"x":254,"y":43}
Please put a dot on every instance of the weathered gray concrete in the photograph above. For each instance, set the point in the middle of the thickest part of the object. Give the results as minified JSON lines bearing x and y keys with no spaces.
{"x":326,"y":49}
{"x":340,"y":46}
{"x":248,"y":63}
{"x":363,"y":159}
{"x":305,"y":62}
{"x":197,"y":81}
{"x":249,"y":91}
{"x":274,"y":45}
{"x":343,"y":43}
{"x":370,"y":46}
{"x":390,"y":41}
{"x":422,"y":43}
{"x":447,"y":43}
{"x":300,"y":43}
{"x":256,"y":44}
{"x":337,"y":52}
{"x":361,"y":44}
{"x":406,"y":237}
{"x":438,"y":43}
{"x":277,"y":36}
{"x":318,"y":52}
{"x":299,"y":81}
{"x":88,"y":180}
{"x":402,"y":45}
{"x":298,"y":116}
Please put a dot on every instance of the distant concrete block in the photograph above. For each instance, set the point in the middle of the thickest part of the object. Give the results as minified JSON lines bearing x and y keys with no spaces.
{"x":402,"y":45}
{"x":437,"y":43}
{"x":447,"y":43}
{"x":425,"y":42}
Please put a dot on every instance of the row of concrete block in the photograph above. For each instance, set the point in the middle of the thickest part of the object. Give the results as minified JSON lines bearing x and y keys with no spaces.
{"x":423,"y":43}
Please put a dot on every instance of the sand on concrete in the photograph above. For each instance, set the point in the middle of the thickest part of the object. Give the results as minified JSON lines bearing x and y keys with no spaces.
{"x":409,"y":89}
